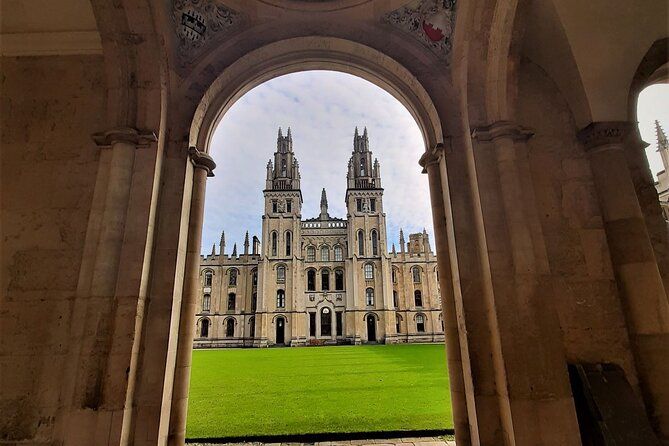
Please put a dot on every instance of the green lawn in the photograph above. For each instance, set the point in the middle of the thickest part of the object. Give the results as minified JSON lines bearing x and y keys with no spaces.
{"x":241,"y":392}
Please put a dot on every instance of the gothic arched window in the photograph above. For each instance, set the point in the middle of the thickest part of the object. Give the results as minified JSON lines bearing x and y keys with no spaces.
{"x":289,"y":241}
{"x":363,"y":167}
{"x":415,"y":272}
{"x":280,"y":273}
{"x":284,"y":168}
{"x":338,"y":253}
{"x":361,"y":243}
{"x":206,"y":302}
{"x":395,"y":299}
{"x":375,"y":243}
{"x":229,"y":328}
{"x":393,"y":274}
{"x":231,"y":301}
{"x":369,"y":296}
{"x":280,"y":298}
{"x":233,"y":277}
{"x":418,"y":298}
{"x":325,"y":280}
{"x":254,"y":277}
{"x":204,"y":328}
{"x":208,"y":278}
{"x":325,"y":254}
{"x":326,"y":322}
{"x":369,"y":271}
{"x":398,"y":324}
{"x":339,"y":279}
{"x":311,"y":280}
{"x":275,"y":243}
{"x":311,"y":254}
{"x":420,"y":323}
{"x":254,"y":301}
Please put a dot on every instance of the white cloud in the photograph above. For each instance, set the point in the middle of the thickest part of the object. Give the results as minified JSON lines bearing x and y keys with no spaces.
{"x":322,"y":108}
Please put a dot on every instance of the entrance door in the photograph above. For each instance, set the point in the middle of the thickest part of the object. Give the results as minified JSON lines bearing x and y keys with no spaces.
{"x":280,"y":328}
{"x":371,"y":328}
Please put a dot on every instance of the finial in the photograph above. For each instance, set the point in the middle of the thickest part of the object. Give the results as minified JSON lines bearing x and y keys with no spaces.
{"x":234,"y":250}
{"x":661,"y":137}
{"x":222,"y":242}
{"x":324,"y":198}
{"x":364,"y":133}
{"x":289,"y":135}
{"x":280,"y":135}
{"x":394,"y":251}
{"x":213,"y":249}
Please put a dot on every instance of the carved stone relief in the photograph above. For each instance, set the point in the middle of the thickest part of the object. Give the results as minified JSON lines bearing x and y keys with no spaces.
{"x":430,"y":21}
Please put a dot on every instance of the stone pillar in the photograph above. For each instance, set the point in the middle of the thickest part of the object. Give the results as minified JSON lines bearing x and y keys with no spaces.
{"x":533,"y":390}
{"x":641,"y":287}
{"x":431,"y":164}
{"x":203,"y":166}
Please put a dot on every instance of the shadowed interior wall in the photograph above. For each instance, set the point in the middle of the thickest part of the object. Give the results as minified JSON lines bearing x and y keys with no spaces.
{"x":50,"y":107}
{"x":586,"y":296}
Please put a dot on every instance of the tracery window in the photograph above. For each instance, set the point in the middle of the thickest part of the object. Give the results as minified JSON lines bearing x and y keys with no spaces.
{"x":375,"y":243}
{"x":339,"y":279}
{"x":206,"y":302}
{"x":325,"y":280}
{"x":398,"y":324}
{"x":326,"y":322}
{"x":395,"y":299}
{"x":280,"y":273}
{"x":394,"y":275}
{"x":325,"y":254}
{"x":420,"y":323}
{"x":231,"y":301}
{"x":289,"y":240}
{"x":289,"y":205}
{"x":311,"y":280}
{"x":338,"y":253}
{"x":254,"y":301}
{"x":254,"y":277}
{"x":418,"y":298}
{"x":369,"y":296}
{"x":233,"y":277}
{"x":415,"y":272}
{"x":372,"y":204}
{"x":363,"y":166}
{"x":229,"y":328}
{"x":275,"y":243}
{"x":311,"y":254}
{"x":369,"y":271}
{"x":204,"y":328}
{"x":361,"y":243}
{"x":208,"y":278}
{"x":280,"y":299}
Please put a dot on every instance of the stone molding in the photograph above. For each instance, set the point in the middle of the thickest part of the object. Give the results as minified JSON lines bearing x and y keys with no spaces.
{"x":605,"y":133}
{"x":140,"y":138}
{"x":502,"y":129}
{"x":202,"y":160}
{"x":62,"y":43}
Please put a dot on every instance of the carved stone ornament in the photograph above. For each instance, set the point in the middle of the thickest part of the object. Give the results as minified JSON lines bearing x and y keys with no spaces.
{"x":198,"y":21}
{"x":604,"y":133}
{"x":430,"y":21}
{"x":201,"y":160}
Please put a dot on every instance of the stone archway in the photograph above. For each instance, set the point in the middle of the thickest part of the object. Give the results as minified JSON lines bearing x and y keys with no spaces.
{"x":265,"y":63}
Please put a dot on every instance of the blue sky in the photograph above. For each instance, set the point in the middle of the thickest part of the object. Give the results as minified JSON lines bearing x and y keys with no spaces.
{"x":322,"y":108}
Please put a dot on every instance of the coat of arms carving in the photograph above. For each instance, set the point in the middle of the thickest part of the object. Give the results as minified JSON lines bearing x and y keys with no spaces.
{"x":198,"y":21}
{"x":430,"y":21}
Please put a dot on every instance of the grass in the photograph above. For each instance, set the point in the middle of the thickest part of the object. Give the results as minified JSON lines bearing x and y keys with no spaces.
{"x":290,"y":391}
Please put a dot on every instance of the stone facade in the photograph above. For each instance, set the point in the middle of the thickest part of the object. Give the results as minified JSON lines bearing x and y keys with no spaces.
{"x":662,"y":183}
{"x":322,"y":280}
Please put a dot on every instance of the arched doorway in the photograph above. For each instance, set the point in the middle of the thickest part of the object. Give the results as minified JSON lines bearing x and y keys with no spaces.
{"x":280,"y":331}
{"x":371,"y":328}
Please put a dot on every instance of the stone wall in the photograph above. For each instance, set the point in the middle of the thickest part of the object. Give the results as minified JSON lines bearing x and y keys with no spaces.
{"x":586,"y":296}
{"x":50,"y":107}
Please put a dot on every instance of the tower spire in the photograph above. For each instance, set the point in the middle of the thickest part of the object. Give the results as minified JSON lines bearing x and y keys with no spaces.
{"x":221,"y":244}
{"x":213,"y":249}
{"x":402,"y":242}
{"x":324,"y":206}
{"x":662,"y":145}
{"x":246,"y":243}
{"x":234,"y":250}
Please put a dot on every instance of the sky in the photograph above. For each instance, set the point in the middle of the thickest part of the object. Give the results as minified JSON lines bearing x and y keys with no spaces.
{"x":323,"y":108}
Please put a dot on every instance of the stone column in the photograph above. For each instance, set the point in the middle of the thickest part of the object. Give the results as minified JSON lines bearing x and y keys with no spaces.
{"x":533,"y":389}
{"x":641,"y":287}
{"x":430,"y":162}
{"x":203,"y":166}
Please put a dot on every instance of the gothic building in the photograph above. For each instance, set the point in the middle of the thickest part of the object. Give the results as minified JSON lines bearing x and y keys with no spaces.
{"x":662,"y":183}
{"x":322,"y":280}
